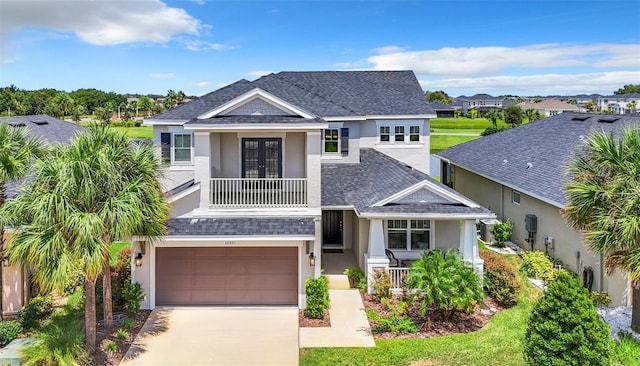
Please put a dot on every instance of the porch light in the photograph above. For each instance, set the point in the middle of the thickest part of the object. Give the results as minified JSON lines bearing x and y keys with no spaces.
{"x":312,"y":259}
{"x":138,"y":259}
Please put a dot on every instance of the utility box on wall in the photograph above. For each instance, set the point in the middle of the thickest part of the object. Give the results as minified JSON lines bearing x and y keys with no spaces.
{"x":531,"y":223}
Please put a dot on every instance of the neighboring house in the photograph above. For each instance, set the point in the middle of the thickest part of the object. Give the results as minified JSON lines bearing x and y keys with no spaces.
{"x":551,"y":107}
{"x":521,"y":171}
{"x":483,"y":103}
{"x":273,"y":179}
{"x":442,"y":110}
{"x":620,"y":103}
{"x":15,"y":280}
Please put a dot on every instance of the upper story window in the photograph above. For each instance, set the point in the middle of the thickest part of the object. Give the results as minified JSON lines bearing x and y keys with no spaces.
{"x":336,"y":141}
{"x":409,"y":234}
{"x":399,"y":132}
{"x":176,"y":148}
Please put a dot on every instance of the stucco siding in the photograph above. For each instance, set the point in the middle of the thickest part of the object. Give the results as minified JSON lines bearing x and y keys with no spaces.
{"x":447,"y":234}
{"x":479,"y":189}
{"x":294,"y":155}
{"x":13,"y":285}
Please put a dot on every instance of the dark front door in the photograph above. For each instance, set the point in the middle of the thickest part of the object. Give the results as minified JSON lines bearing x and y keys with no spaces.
{"x":332,"y":229}
{"x":261,"y":158}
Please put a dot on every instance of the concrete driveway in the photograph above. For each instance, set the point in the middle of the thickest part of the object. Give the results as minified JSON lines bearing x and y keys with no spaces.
{"x":217,"y":336}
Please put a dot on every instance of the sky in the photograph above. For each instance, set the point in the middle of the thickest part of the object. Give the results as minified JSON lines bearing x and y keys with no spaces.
{"x":507,"y":47}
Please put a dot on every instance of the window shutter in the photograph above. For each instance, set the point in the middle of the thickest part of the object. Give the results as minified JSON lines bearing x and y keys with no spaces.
{"x":165,"y":147}
{"x":344,"y":141}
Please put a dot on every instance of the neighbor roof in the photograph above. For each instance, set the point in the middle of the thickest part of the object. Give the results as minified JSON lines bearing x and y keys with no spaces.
{"x":532,"y":158}
{"x":376,"y":178}
{"x":242,"y":226}
{"x":551,"y":104}
{"x":323,"y":93}
{"x":45,"y":127}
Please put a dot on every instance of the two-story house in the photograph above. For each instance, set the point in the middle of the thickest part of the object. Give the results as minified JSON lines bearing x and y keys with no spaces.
{"x":483,"y":103}
{"x":273,"y":179}
{"x":620,"y":103}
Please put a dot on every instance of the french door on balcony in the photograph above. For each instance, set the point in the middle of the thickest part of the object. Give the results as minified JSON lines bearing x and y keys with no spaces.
{"x":261,"y":158}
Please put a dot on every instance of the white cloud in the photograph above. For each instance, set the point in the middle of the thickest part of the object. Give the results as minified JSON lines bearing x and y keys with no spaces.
{"x":101,"y":22}
{"x":259,"y":73}
{"x":561,"y":84}
{"x":160,"y":75}
{"x":199,"y":45}
{"x":201,"y":84}
{"x":483,"y":61}
{"x":387,"y":49}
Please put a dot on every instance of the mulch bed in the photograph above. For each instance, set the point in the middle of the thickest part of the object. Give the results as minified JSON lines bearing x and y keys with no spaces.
{"x":304,"y":321}
{"x":101,"y":356}
{"x":433,"y":324}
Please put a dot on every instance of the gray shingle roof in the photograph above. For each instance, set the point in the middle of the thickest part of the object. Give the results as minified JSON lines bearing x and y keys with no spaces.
{"x":547,"y":145}
{"x":428,"y":208}
{"x":266,"y":119}
{"x":41,"y":126}
{"x":242,"y":226}
{"x":375,"y":178}
{"x":47,"y":128}
{"x":324,"y":93}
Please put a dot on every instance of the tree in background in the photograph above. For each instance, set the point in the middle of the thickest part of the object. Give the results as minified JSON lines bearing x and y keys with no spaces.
{"x":78,"y":112}
{"x":590,"y":105}
{"x":627,"y":89}
{"x":532,"y":114}
{"x":472,"y":113}
{"x":631,"y":106}
{"x":173,"y":98}
{"x":103,"y":115}
{"x":513,"y":115}
{"x":493,"y":115}
{"x":145,"y":104}
{"x":438,"y":96}
{"x":564,"y":327}
{"x":604,"y":204}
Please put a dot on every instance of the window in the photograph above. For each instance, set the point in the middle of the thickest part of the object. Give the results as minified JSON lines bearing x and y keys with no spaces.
{"x":408,"y":234}
{"x":331,"y":140}
{"x":384,"y":133}
{"x":414,"y":133}
{"x":344,"y":141}
{"x":515,"y":197}
{"x":399,"y":133}
{"x":182,"y":147}
{"x":165,"y":147}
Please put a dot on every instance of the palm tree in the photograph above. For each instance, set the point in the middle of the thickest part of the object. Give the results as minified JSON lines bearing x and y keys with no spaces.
{"x":100,"y":188}
{"x":145,"y":104}
{"x":493,"y":115}
{"x":631,"y":106}
{"x":603,"y":203}
{"x":532,"y":114}
{"x":17,"y":152}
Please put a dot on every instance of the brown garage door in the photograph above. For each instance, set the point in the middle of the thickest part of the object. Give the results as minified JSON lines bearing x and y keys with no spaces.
{"x":227,"y":276}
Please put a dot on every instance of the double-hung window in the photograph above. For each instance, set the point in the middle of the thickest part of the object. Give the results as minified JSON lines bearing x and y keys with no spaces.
{"x":336,"y":141}
{"x":182,"y":148}
{"x":414,"y":133}
{"x":384,"y":133}
{"x":399,"y":133}
{"x":396,"y":133}
{"x":408,"y":234}
{"x":331,"y":140}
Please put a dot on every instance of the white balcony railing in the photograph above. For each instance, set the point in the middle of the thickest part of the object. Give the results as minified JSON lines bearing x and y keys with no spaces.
{"x":258,"y":192}
{"x":397,"y":274}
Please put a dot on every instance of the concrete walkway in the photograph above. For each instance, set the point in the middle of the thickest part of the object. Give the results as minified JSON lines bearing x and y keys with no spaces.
{"x":217,"y":336}
{"x":349,"y":324}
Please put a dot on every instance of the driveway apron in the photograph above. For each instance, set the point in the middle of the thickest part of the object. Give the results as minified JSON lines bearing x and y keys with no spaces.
{"x":217,"y":336}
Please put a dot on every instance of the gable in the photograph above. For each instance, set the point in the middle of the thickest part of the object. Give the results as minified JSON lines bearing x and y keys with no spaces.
{"x":423,"y":196}
{"x":261,"y":96}
{"x":257,"y":107}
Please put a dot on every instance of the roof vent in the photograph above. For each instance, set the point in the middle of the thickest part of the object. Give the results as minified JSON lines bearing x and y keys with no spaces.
{"x":40,"y":122}
{"x":608,"y":119}
{"x":16,"y":124}
{"x":529,"y":165}
{"x":580,"y":118}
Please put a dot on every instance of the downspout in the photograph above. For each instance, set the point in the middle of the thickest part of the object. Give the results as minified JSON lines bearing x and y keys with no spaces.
{"x":502,"y":202}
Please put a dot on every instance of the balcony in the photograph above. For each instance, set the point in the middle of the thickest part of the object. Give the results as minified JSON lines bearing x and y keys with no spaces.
{"x":258,"y":192}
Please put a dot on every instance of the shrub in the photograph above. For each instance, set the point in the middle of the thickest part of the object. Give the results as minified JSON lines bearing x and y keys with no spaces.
{"x":491,"y":130}
{"x":537,"y":264}
{"x":129,"y":323}
{"x":122,"y":334}
{"x":356,"y":277}
{"x":133,"y":297}
{"x":396,"y":321}
{"x":502,"y":233}
{"x":110,"y":346}
{"x":75,"y":279}
{"x":9,"y":330}
{"x":501,"y":280}
{"x":443,"y":280}
{"x":317,"y":291}
{"x":381,"y":284}
{"x":129,"y":123}
{"x":137,"y":123}
{"x":116,"y":123}
{"x":38,"y":308}
{"x":600,"y":298}
{"x":121,"y":277}
{"x":564,"y":327}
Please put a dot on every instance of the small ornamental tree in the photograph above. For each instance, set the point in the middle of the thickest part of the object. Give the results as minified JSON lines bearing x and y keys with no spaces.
{"x":564,"y":327}
{"x":502,"y":233}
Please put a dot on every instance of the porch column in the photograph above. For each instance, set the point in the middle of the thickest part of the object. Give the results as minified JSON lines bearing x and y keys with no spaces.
{"x":313,"y":146}
{"x":375,"y":258}
{"x":202,"y":166}
{"x":317,"y":247}
{"x":469,"y":245}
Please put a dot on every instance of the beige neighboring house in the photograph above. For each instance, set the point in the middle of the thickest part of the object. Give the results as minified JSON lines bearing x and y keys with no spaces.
{"x":551,"y":107}
{"x":521,"y":172}
{"x":15,"y":279}
{"x":274,"y":179}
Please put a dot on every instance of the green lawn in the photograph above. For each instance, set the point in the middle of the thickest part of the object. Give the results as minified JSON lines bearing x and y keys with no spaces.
{"x":142,"y":132}
{"x":457,"y":130}
{"x":441,"y":142}
{"x":116,"y":247}
{"x":463,"y":123}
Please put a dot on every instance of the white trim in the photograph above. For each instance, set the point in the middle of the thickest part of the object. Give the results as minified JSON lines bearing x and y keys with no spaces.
{"x":257,"y":126}
{"x":536,"y":196}
{"x":174,"y":162}
{"x":435,"y":216}
{"x":163,"y":122}
{"x":431,"y":186}
{"x":254,"y":94}
{"x":253,"y":212}
{"x":182,"y":167}
{"x":207,"y":239}
{"x":408,"y":231}
{"x":336,"y":208}
{"x":182,"y":194}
